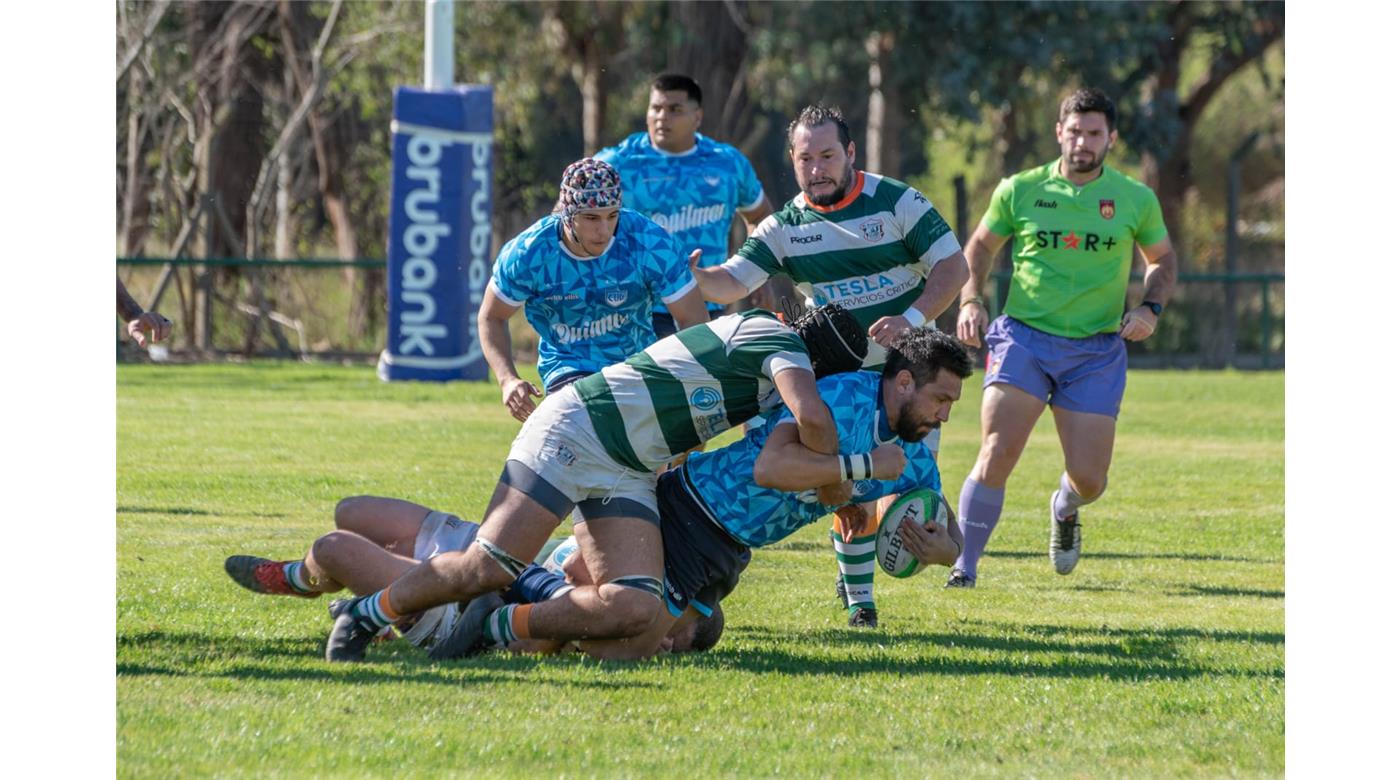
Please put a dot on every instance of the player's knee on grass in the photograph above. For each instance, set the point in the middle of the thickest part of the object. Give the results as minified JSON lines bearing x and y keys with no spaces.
{"x":1088,"y":486}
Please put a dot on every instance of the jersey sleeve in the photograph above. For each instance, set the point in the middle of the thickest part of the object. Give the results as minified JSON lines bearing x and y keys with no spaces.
{"x":611,"y":155}
{"x":750,"y":190}
{"x":510,"y":280}
{"x":666,"y":265}
{"x":762,"y":346}
{"x":927,"y":234}
{"x":760,"y":257}
{"x":998,"y":217}
{"x":1150,"y":228}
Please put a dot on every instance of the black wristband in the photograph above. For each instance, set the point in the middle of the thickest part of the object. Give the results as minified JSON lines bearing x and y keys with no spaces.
{"x":1154,"y":307}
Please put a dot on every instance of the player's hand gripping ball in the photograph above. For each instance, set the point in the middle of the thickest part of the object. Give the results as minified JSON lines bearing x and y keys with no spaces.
{"x":924,"y":507}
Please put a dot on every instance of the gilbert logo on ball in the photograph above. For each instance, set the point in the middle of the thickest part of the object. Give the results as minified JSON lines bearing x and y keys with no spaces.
{"x":923,"y":506}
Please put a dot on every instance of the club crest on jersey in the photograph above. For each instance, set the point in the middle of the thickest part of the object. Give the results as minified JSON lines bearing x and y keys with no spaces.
{"x":713,"y":181}
{"x":1106,"y":209}
{"x":615,"y":298}
{"x":873,"y":229}
{"x":704,"y":398}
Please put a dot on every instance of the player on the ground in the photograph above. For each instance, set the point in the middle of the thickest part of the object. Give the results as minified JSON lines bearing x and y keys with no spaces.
{"x":868,"y":242}
{"x":595,"y":445}
{"x":377,"y":539}
{"x":687,"y":183}
{"x":1061,"y":337}
{"x":757,"y":491}
{"x":588,"y":276}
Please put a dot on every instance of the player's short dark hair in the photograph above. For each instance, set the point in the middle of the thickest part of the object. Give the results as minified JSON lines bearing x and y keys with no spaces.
{"x":708,"y":630}
{"x":835,"y":340}
{"x":672,"y":82}
{"x":923,"y":351}
{"x":815,"y":116}
{"x":1089,"y":99}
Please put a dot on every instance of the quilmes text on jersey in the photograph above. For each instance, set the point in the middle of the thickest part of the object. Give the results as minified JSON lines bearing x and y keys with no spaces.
{"x":691,"y":216}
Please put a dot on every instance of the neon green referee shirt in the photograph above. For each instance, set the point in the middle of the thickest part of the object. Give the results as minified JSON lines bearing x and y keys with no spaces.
{"x":1072,"y":246}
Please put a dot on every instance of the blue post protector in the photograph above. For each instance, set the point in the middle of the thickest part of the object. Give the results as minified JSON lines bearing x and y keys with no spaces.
{"x":439,"y":233}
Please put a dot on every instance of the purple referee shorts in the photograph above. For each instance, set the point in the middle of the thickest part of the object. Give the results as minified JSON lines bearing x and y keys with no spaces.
{"x":1080,"y":375}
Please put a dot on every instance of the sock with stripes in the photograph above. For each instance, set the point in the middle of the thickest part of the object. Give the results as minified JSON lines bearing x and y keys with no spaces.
{"x":297,"y":577}
{"x":856,"y":560}
{"x":373,"y":611}
{"x":536,"y":584}
{"x":509,"y":623}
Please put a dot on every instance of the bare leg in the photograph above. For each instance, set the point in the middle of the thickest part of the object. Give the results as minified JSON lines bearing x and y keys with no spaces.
{"x":611,"y":548}
{"x":514,"y":523}
{"x":1009,"y":415}
{"x":1087,"y":441}
{"x":391,"y":523}
{"x":351,"y":560}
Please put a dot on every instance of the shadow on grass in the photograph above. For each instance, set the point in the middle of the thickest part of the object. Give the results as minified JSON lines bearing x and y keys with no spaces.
{"x":1210,"y":590}
{"x":292,"y":658}
{"x":1027,"y":650}
{"x":1137,"y":556}
{"x":153,"y":510}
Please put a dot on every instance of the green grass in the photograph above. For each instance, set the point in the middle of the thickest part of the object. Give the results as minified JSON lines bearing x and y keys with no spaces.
{"x":1162,"y":655}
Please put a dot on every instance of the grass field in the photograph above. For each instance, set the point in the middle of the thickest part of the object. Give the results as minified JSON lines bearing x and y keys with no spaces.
{"x":1162,"y":655}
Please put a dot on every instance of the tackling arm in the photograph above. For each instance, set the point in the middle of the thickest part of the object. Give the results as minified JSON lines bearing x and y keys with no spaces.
{"x":715,"y":283}
{"x":785,"y":464}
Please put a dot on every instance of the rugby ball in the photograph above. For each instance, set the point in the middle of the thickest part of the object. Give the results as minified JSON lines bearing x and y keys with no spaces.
{"x":923,"y":506}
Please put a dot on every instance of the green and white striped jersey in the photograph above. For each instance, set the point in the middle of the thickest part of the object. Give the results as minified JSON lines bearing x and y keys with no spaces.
{"x":688,"y":388}
{"x":870,"y":252}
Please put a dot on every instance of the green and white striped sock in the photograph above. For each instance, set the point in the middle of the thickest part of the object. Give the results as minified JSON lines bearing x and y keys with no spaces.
{"x":295,"y":572}
{"x":498,"y":625}
{"x":856,"y":560}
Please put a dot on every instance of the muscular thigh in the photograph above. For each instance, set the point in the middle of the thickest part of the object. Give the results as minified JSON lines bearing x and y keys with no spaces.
{"x":616,"y":547}
{"x":391,"y":523}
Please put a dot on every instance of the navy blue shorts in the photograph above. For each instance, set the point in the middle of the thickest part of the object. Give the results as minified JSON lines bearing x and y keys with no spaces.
{"x":703,"y":562}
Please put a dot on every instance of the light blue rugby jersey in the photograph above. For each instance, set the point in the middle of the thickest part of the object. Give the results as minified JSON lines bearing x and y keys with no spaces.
{"x":756,"y":516}
{"x":591,"y":312}
{"x":692,"y":194}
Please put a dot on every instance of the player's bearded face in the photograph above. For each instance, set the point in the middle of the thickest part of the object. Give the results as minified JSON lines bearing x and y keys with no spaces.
{"x":1085,"y":141}
{"x":842,"y":186}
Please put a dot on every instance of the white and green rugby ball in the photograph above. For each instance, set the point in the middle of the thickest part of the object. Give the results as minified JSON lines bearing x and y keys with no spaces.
{"x":923,"y":506}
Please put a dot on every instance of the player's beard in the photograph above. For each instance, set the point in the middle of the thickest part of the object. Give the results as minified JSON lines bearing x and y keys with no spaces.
{"x":907,"y":429}
{"x":1095,"y":162}
{"x":842,"y":187}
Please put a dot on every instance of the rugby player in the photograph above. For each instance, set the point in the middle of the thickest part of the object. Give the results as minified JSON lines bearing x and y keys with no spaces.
{"x":595,"y":445}
{"x":687,"y":183}
{"x":588,"y":277}
{"x":757,"y":491}
{"x":378,"y":539}
{"x":1060,"y":339}
{"x":868,"y":242}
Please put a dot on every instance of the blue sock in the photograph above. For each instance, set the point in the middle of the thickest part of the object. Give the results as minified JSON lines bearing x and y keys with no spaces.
{"x":536,"y":584}
{"x":979,"y":509}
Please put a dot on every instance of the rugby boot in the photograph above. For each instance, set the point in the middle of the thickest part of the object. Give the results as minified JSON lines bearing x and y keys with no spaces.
{"x":959,"y":579}
{"x":349,"y":637}
{"x":261,"y":575}
{"x":864,"y":617}
{"x":1064,"y":539}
